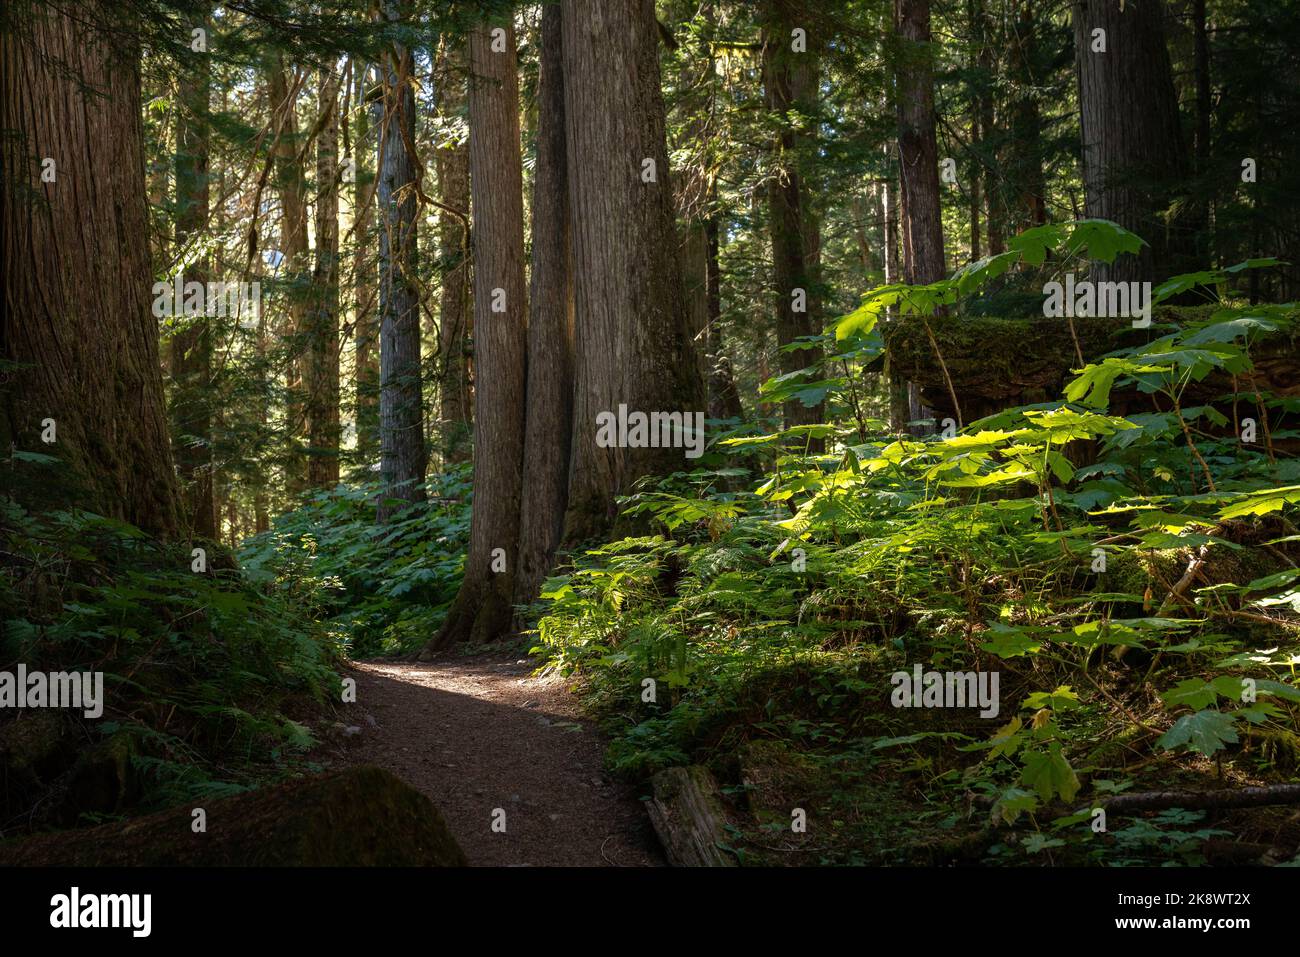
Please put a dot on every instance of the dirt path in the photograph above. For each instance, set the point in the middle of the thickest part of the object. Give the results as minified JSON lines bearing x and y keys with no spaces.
{"x":478,"y":734}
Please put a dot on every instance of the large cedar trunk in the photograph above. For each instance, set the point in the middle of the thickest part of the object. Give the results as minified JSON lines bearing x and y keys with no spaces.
{"x":550,"y":330}
{"x":455,"y":319}
{"x":191,"y":338}
{"x":630,"y":313}
{"x":1133,"y":155}
{"x":401,"y":418}
{"x":790,"y":87}
{"x":482,"y":609}
{"x":323,"y":332}
{"x":77,"y":316}
{"x":922,"y":223}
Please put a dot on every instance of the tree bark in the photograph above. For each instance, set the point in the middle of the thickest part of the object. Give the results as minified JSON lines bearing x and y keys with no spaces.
{"x":550,"y":329}
{"x":630,"y":313}
{"x":77,"y":275}
{"x":401,"y":419}
{"x":365,"y":329}
{"x":923,"y":258}
{"x":724,"y":397}
{"x":455,"y":317}
{"x":1133,"y":153}
{"x":482,"y":610}
{"x":294,"y":270}
{"x":790,"y":86}
{"x":323,"y":333}
{"x":1025,"y":162}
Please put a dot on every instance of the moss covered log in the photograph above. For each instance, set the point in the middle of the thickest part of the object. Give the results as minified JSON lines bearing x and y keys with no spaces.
{"x":363,"y":816}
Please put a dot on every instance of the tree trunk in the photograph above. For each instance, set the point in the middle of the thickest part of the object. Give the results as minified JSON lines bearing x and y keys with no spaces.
{"x":790,"y":87}
{"x":191,"y":339}
{"x":77,"y":276}
{"x":1204,"y":109}
{"x":889,"y":215}
{"x":323,"y":338}
{"x":294,"y":270}
{"x":724,"y":397}
{"x":401,"y":420}
{"x":630,"y":314}
{"x":550,"y":330}
{"x":482,"y":609}
{"x":1133,"y":155}
{"x":455,"y":318}
{"x":365,"y":329}
{"x":923,"y":259}
{"x":1025,"y":163}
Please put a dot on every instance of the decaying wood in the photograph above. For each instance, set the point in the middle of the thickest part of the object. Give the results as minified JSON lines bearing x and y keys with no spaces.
{"x":687,"y":815}
{"x":1203,"y":800}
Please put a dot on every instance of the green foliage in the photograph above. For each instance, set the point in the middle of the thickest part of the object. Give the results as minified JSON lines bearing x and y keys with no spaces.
{"x":377,"y":589}
{"x":206,"y":666}
{"x":780,"y":611}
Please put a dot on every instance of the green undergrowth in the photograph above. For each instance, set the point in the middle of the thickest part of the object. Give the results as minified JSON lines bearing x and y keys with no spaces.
{"x":208,"y":677}
{"x":377,"y":589}
{"x":1133,"y":581}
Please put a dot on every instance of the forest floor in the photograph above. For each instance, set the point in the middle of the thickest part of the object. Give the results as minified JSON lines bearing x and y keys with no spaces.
{"x":481,"y":733}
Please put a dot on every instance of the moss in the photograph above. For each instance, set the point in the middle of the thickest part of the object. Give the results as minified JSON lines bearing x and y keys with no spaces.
{"x":360,"y":817}
{"x":996,"y":362}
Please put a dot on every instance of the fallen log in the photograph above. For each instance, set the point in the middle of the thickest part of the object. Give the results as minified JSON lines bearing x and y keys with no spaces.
{"x":1202,"y":800}
{"x":1261,"y":796}
{"x":364,"y":816}
{"x":687,"y":814}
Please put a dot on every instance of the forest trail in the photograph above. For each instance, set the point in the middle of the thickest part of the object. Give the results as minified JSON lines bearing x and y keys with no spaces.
{"x":481,"y":733}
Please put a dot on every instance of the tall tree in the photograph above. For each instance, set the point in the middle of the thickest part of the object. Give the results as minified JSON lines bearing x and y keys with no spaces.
{"x":323,"y":331}
{"x":482,"y":609}
{"x":77,"y":323}
{"x":918,"y":153}
{"x":294,"y":269}
{"x":1025,"y":153}
{"x":455,"y":311}
{"x":790,"y":90}
{"x":401,"y":414}
{"x":724,"y":397}
{"x":629,"y":309}
{"x":1133,"y":155}
{"x":548,"y":433}
{"x":191,"y":339}
{"x":365,"y":322}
